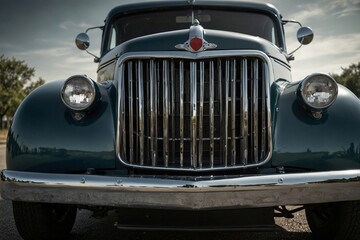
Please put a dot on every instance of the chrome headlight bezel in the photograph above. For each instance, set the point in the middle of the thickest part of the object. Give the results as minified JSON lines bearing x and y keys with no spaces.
{"x":318,"y":86}
{"x":88,"y":89}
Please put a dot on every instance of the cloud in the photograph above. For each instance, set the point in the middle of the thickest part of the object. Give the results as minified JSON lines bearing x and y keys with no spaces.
{"x":344,"y":3}
{"x":347,"y":12}
{"x":327,"y":54}
{"x":343,"y":8}
{"x":48,"y":53}
{"x":58,"y":62}
{"x":309,"y":11}
{"x":333,"y":45}
{"x":9,"y":46}
{"x":55,"y":42}
{"x":72,"y":25}
{"x":338,"y":8}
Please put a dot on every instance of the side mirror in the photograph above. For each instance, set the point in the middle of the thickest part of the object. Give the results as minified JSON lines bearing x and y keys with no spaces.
{"x":305,"y":35}
{"x":82,"y":41}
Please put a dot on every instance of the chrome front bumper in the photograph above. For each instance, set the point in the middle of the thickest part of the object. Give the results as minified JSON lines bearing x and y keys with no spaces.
{"x":182,"y":193}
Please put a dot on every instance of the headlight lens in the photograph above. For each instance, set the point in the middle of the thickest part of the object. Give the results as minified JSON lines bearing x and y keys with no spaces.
{"x":78,"y":92}
{"x":318,"y":91}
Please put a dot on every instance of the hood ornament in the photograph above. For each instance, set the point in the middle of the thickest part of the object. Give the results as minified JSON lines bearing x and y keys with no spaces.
{"x":196,"y":41}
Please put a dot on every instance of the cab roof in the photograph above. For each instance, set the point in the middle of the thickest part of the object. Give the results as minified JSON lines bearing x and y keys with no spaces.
{"x":144,"y":6}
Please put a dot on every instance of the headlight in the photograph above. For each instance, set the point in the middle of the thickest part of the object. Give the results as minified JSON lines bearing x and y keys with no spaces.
{"x":318,"y":91}
{"x":78,"y":92}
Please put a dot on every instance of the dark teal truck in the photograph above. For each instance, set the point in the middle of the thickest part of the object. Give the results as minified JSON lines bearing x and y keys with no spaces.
{"x":194,"y":123}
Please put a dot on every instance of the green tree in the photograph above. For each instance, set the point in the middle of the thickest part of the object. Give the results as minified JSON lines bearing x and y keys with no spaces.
{"x":33,"y":85}
{"x":350,"y":78}
{"x":15,"y":84}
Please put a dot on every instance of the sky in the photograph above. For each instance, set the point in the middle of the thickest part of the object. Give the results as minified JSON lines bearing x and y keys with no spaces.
{"x":42,"y":33}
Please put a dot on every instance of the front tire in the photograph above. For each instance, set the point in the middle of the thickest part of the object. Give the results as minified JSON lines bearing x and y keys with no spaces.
{"x":44,"y":221}
{"x":337,"y":221}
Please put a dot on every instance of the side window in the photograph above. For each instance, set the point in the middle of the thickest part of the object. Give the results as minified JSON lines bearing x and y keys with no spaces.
{"x":113,"y":38}
{"x":273,"y":36}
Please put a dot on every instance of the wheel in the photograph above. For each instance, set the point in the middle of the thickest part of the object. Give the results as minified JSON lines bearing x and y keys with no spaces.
{"x":40,"y":221}
{"x":337,"y":221}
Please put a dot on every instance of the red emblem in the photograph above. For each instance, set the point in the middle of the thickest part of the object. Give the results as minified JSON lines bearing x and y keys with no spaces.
{"x":196,"y":42}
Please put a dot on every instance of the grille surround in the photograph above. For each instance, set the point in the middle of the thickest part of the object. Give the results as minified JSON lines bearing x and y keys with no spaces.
{"x":125,"y":151}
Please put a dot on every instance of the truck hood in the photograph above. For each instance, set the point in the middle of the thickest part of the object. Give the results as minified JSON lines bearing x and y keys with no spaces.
{"x":168,"y":40}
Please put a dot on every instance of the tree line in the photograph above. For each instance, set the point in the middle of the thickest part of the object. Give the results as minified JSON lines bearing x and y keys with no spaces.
{"x":16,"y":83}
{"x":350,"y":78}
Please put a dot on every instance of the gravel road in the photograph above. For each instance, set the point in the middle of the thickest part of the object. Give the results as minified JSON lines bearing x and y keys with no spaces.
{"x":92,"y":229}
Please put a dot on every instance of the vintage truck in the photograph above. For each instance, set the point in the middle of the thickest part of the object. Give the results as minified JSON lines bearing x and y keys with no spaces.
{"x":194,"y":123}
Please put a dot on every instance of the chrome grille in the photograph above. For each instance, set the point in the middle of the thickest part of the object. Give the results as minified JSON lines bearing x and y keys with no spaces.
{"x":201,"y":114}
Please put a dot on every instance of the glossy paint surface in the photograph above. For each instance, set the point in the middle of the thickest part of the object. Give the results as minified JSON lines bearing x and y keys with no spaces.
{"x":329,"y":143}
{"x":44,"y":136}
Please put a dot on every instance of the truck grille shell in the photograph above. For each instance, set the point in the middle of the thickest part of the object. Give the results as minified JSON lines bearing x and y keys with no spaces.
{"x":194,"y":112}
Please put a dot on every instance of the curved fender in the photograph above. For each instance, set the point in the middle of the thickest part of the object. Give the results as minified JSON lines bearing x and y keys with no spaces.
{"x":45,"y":137}
{"x":329,"y":143}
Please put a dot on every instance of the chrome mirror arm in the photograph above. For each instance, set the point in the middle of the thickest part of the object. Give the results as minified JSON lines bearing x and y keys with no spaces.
{"x":98,"y":27}
{"x":290,"y":54}
{"x":291,"y":21}
{"x":96,"y":58}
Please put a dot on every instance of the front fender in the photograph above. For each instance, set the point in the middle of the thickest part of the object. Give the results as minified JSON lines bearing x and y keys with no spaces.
{"x":330,"y":143}
{"x":44,"y":137}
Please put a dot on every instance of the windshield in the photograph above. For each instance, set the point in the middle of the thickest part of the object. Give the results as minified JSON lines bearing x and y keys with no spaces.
{"x":127,"y":27}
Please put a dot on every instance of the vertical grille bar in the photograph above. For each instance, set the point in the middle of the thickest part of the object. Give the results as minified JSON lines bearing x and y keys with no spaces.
{"x":131,"y":113}
{"x":122,"y":119}
{"x":211,"y":110}
{"x":193,"y":123}
{"x":255,"y":109}
{"x":153,"y":112}
{"x":201,"y":112}
{"x":181,"y":75}
{"x":165,"y":112}
{"x":233,"y":112}
{"x":141,"y":110}
{"x":226,"y":113}
{"x":173,"y":87}
{"x":263,"y":116}
{"x":219,"y":73}
{"x":244,"y":112}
